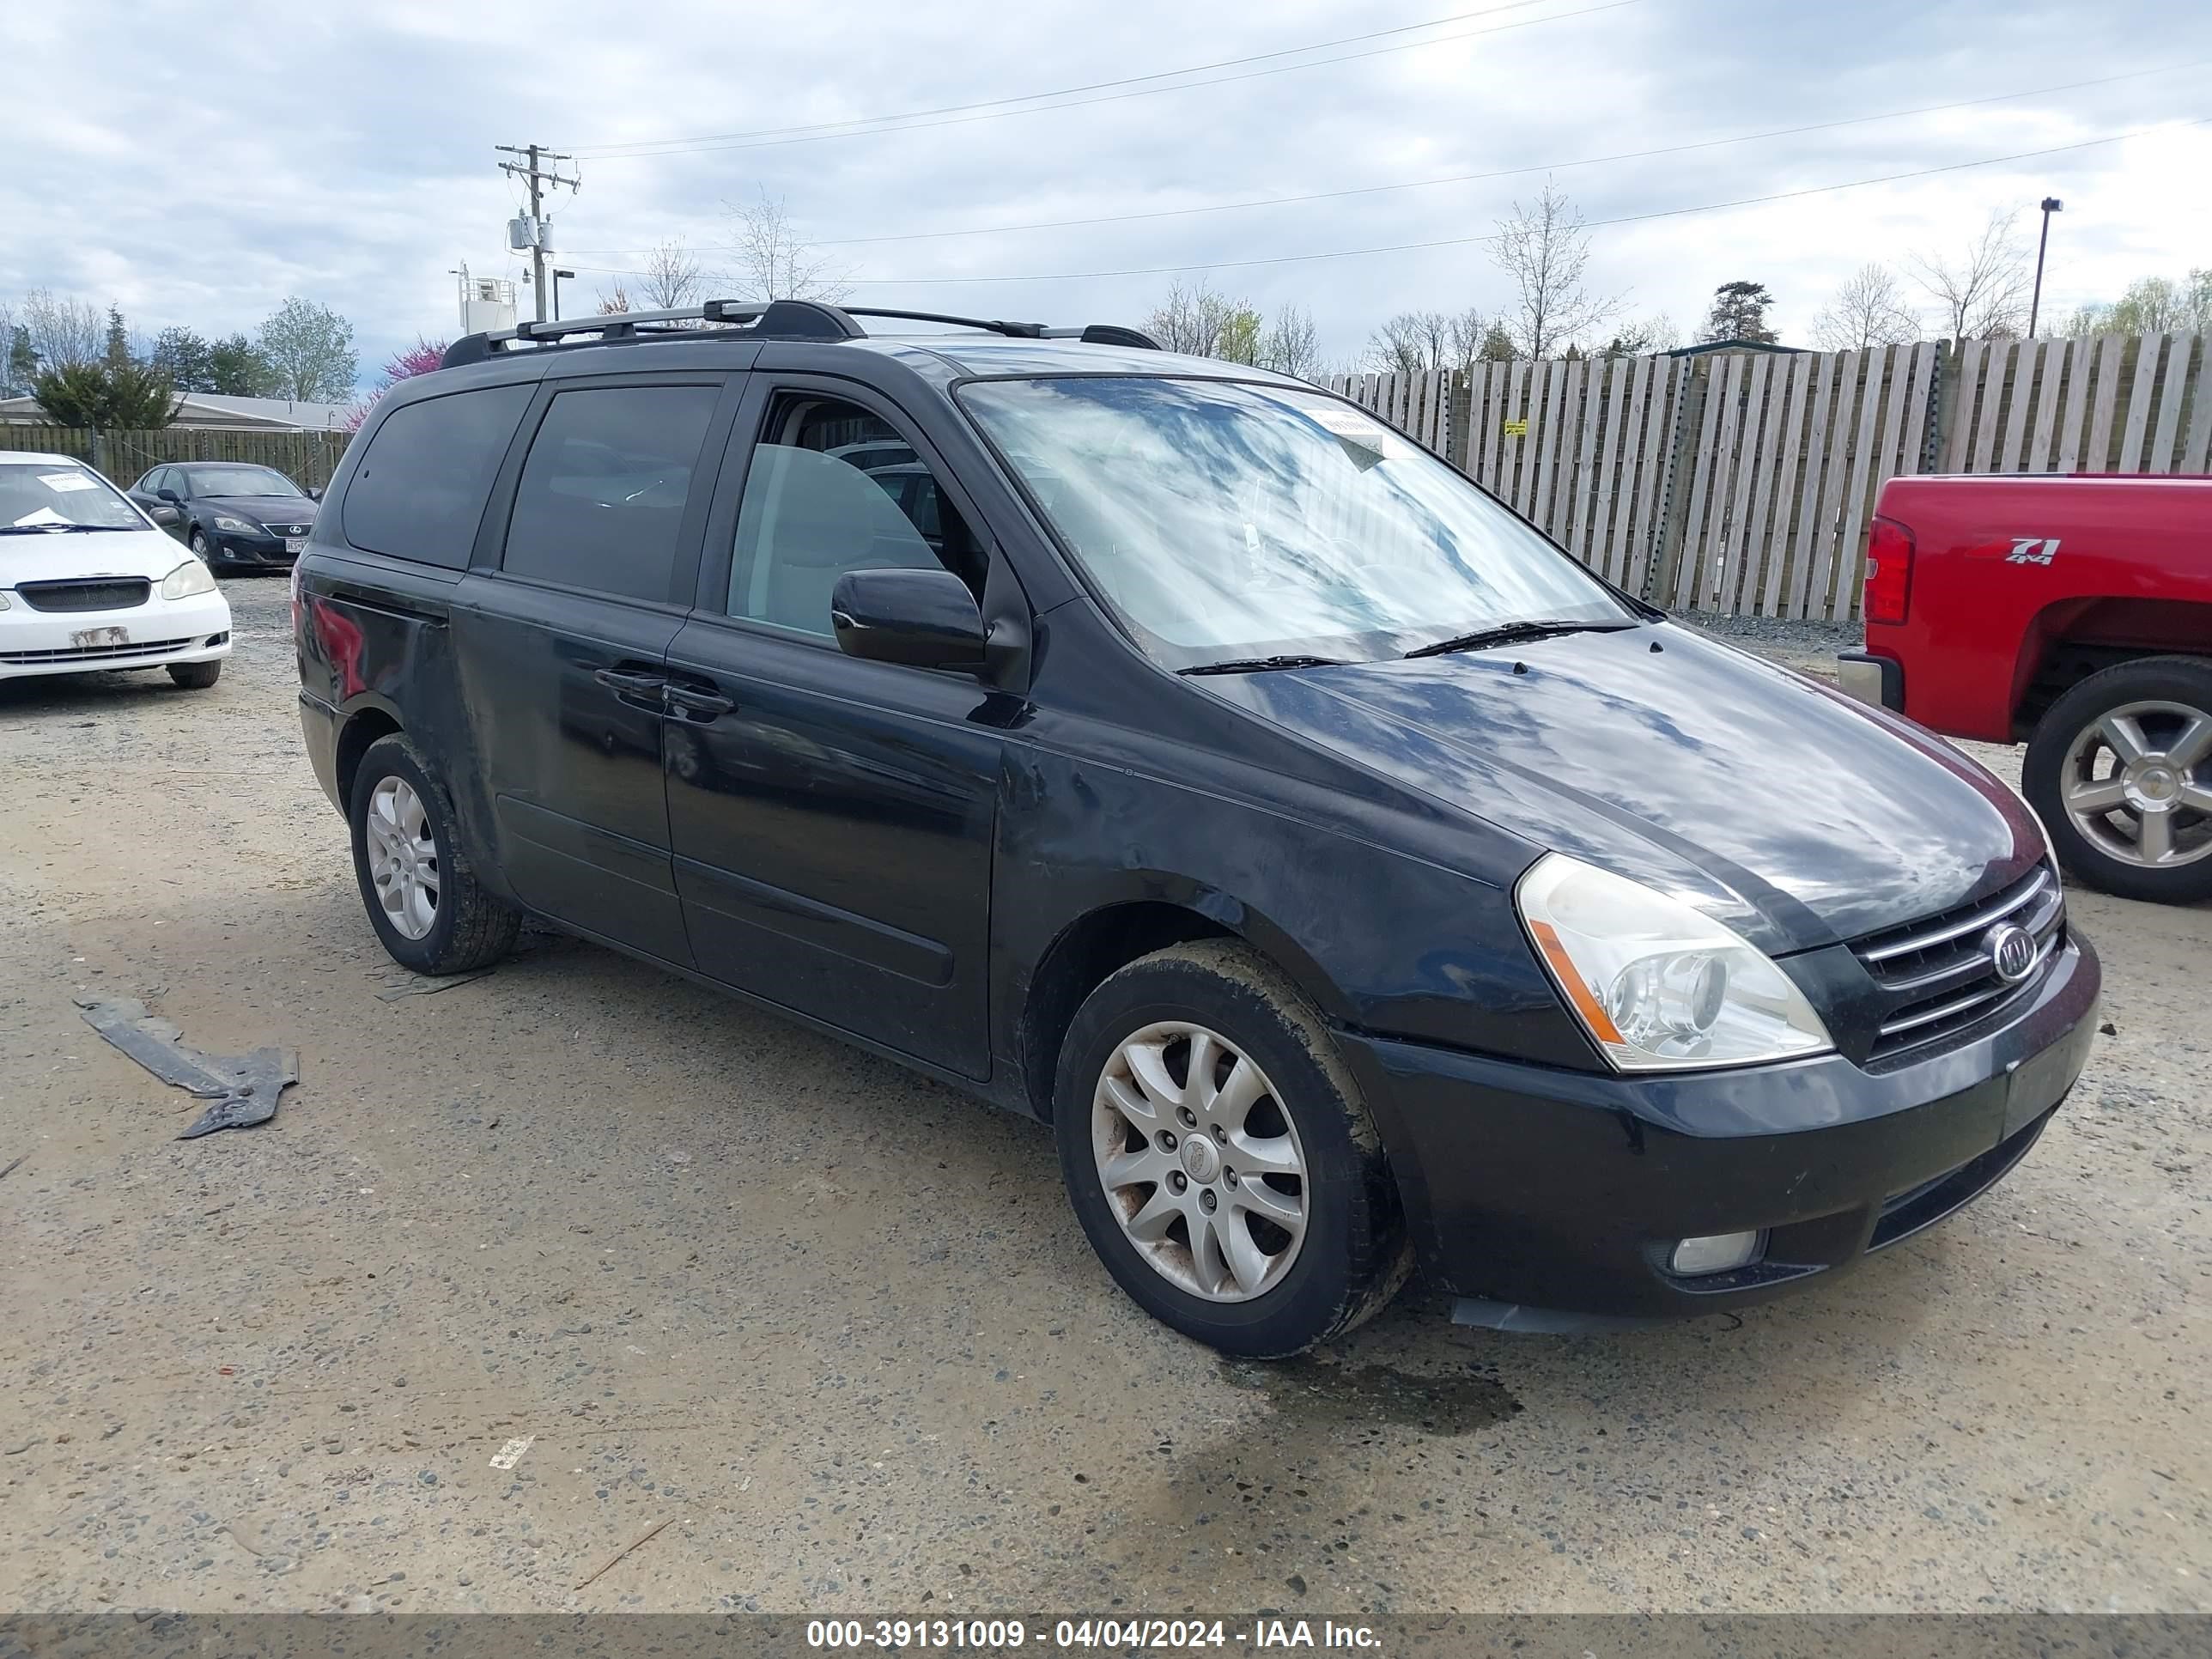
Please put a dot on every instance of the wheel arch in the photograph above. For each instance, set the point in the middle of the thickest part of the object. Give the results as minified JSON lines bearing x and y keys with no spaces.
{"x":1110,"y":935}
{"x":363,"y":726}
{"x":2069,"y":640}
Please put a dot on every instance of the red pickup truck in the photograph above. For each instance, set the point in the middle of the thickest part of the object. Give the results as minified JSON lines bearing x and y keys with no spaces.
{"x":2074,"y":614}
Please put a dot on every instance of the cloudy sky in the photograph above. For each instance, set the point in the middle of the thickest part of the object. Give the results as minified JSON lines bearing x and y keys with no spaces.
{"x":196,"y":163}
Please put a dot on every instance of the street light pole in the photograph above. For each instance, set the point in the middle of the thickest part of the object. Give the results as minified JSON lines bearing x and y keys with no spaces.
{"x":557,"y":275}
{"x":2050,"y":205}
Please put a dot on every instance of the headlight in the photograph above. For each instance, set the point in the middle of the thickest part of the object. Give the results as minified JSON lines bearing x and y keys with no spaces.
{"x":4,"y":600}
{"x":223,"y":521}
{"x":187,"y":578}
{"x":1658,"y":986}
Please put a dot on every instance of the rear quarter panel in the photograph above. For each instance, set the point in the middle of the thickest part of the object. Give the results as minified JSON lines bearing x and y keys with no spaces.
{"x":2008,"y":570}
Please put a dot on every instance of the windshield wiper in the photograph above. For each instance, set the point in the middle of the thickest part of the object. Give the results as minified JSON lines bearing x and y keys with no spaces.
{"x":1515,"y":633}
{"x":1255,"y":664}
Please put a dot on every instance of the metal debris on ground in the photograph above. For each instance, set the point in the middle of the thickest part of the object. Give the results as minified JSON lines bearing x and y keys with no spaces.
{"x":423,"y":985}
{"x":10,"y":1169}
{"x":649,"y":1533}
{"x":244,"y":1088}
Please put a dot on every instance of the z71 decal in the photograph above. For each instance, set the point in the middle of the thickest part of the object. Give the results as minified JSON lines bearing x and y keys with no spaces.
{"x":2032,"y":550}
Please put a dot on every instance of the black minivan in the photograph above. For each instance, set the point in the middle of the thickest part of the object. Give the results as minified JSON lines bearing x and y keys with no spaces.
{"x":1177,"y":753}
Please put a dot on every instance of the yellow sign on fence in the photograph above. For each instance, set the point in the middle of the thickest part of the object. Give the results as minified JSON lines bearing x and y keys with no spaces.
{"x":1517,"y":428}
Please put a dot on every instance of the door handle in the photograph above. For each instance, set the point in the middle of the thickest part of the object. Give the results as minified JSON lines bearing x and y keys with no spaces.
{"x":624,"y":683}
{"x":696,"y":703}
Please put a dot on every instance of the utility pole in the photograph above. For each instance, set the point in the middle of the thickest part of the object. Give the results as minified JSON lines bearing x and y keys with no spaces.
{"x":532,"y":174}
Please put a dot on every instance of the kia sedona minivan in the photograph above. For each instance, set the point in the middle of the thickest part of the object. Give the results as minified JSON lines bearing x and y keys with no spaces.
{"x":1179,"y":755}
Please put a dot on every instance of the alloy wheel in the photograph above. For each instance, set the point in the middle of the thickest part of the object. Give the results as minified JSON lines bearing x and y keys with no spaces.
{"x":403,"y":857}
{"x":1200,"y":1164}
{"x":2137,"y":784}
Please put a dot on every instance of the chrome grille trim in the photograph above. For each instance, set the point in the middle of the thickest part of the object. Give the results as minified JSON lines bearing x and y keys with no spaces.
{"x":1974,"y":999}
{"x":1988,"y":916}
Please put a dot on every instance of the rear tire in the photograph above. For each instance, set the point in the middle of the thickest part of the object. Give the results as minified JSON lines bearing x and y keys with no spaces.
{"x":413,"y":852}
{"x":1201,"y":1248}
{"x":196,"y":676}
{"x":2140,"y":828}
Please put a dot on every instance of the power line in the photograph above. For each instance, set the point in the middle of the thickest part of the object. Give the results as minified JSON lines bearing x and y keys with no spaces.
{"x":1463,"y":241}
{"x":685,"y":147}
{"x":648,"y":145}
{"x":1464,"y":178}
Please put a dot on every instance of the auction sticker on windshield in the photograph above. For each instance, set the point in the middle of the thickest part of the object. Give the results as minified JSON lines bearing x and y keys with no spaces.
{"x":66,"y":480}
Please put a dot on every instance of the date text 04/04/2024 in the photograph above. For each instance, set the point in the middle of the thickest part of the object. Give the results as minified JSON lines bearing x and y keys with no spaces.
{"x":1000,"y":1635}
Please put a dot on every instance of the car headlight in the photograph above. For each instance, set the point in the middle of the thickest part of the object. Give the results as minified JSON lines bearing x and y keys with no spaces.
{"x":187,"y":578}
{"x":1659,"y":986}
{"x":224,"y":522}
{"x":4,"y":600}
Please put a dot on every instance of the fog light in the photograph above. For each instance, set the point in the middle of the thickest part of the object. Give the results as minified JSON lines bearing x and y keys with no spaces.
{"x":1715,"y":1253}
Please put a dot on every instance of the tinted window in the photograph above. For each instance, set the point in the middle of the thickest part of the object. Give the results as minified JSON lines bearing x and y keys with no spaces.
{"x":833,"y":489}
{"x":419,"y":491}
{"x":602,"y":495}
{"x":150,"y":482}
{"x":242,"y":481}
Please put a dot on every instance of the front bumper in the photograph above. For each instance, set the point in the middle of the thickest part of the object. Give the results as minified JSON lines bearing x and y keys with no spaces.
{"x":274,"y":551}
{"x":155,"y":634}
{"x":1532,"y":1187}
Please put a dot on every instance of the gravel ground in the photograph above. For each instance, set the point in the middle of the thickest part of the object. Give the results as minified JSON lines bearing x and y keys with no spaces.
{"x":835,"y":1326}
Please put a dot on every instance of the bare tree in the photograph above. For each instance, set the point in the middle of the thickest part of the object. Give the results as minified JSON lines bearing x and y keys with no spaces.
{"x":1984,"y":292}
{"x":614,"y":304}
{"x":1413,"y":341}
{"x":1868,"y":310}
{"x":1194,"y":319}
{"x":671,"y":277}
{"x":1641,"y":338}
{"x":1291,"y":344}
{"x":774,"y":262}
{"x":64,"y":331}
{"x":1545,"y":249}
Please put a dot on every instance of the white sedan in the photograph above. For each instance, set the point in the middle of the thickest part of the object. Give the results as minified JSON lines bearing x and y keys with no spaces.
{"x":89,"y":581}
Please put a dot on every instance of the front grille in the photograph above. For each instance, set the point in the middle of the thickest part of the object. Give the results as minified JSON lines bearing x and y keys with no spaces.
{"x":1936,"y":974}
{"x":96,"y":652}
{"x":289,"y":529}
{"x":107,"y":593}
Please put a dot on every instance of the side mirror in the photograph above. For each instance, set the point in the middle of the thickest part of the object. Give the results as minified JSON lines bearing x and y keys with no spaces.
{"x":314,"y":492}
{"x":169,"y":494}
{"x":924,"y":619}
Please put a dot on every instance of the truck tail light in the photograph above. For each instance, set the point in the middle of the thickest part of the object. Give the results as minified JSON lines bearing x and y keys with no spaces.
{"x":1888,"y":571}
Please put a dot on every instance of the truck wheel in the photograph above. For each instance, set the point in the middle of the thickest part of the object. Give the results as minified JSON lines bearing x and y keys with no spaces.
{"x":2120,"y":771}
{"x":1219,"y":1158}
{"x":425,"y":902}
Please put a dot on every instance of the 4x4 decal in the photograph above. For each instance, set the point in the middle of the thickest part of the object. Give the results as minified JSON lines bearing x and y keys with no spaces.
{"x":2032,"y":550}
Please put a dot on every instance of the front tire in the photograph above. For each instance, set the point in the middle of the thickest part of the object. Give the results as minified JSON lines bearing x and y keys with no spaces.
{"x":204,"y":551}
{"x":1182,"y":1068}
{"x":196,"y":676}
{"x":430,"y":912}
{"x":2120,"y":772}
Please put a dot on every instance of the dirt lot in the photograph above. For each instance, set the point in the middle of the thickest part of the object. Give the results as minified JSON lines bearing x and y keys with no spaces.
{"x":836,"y":1326}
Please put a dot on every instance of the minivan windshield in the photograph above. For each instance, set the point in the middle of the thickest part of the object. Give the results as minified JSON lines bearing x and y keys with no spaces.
{"x":1249,"y":524}
{"x":55,"y":497}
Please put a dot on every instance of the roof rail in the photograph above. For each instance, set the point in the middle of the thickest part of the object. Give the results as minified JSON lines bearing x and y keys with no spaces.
{"x":1015,"y":330}
{"x":789,"y":319}
{"x":783,"y":320}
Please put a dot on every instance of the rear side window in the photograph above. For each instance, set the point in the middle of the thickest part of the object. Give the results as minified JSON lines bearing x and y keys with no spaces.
{"x":419,"y":491}
{"x":601,"y":499}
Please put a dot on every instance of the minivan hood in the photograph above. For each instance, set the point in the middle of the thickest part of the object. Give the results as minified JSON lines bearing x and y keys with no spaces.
{"x":1773,"y":803}
{"x":147,"y":553}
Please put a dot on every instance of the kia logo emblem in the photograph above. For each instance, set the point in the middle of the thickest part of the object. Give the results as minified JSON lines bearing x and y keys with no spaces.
{"x":2012,"y":952}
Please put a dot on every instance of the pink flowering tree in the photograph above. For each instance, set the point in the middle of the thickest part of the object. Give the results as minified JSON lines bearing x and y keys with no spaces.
{"x":403,"y":365}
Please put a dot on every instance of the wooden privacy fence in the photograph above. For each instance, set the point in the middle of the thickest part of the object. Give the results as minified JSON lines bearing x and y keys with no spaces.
{"x":306,"y":458}
{"x":1743,"y":483}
